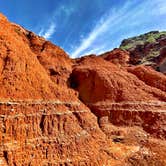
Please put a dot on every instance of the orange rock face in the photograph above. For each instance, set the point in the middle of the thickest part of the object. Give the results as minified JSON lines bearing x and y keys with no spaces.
{"x":117,"y":56}
{"x":128,"y":101}
{"x":89,"y":111}
{"x":41,"y":119}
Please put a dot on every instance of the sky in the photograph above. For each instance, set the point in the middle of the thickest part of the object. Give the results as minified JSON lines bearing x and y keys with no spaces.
{"x":83,"y":27}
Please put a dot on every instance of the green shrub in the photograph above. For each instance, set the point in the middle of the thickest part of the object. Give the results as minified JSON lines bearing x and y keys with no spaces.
{"x":150,"y":39}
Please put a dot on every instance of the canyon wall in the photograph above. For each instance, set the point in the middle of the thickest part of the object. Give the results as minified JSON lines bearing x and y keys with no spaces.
{"x":88,"y":111}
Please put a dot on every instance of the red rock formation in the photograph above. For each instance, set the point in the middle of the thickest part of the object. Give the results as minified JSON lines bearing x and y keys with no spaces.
{"x":149,"y":76}
{"x":94,"y":75}
{"x":123,"y":96}
{"x":117,"y":56}
{"x":41,"y":119}
{"x":45,"y":122}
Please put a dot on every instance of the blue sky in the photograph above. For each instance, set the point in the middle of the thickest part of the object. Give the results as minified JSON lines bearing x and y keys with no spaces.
{"x":87,"y":26}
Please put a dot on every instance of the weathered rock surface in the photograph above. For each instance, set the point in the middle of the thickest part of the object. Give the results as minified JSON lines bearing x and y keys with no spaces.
{"x":117,"y":57}
{"x":147,"y":49}
{"x":88,"y":111}
{"x":124,"y":96}
{"x":41,"y":119}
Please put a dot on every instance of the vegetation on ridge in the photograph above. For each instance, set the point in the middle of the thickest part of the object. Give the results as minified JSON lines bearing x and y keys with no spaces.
{"x":150,"y":37}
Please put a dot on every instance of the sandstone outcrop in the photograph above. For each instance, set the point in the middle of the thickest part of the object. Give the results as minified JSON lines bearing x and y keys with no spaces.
{"x":129,"y":101}
{"x":117,"y":57}
{"x":41,"y":119}
{"x":92,"y":111}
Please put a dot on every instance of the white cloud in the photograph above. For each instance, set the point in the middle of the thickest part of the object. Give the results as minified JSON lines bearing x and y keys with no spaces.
{"x":131,"y":15}
{"x":47,"y":33}
{"x":51,"y":30}
{"x":102,"y":26}
{"x":99,"y":50}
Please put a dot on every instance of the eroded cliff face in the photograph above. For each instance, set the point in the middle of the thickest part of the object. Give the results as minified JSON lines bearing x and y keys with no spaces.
{"x":124,"y":97}
{"x":88,"y":111}
{"x":129,"y":102}
{"x":42,"y":121}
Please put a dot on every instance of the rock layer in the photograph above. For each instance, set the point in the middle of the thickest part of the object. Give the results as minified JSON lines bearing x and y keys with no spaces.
{"x":123,"y":97}
{"x":49,"y":132}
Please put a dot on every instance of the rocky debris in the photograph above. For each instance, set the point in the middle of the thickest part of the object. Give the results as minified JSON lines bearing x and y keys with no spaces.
{"x":88,"y":111}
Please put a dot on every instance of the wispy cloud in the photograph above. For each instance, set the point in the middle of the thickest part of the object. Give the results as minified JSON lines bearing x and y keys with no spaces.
{"x":162,"y":7}
{"x":49,"y":32}
{"x":99,"y":29}
{"x":99,"y":50}
{"x":131,"y":15}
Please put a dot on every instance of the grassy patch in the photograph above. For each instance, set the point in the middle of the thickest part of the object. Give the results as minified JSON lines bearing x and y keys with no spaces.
{"x":150,"y":37}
